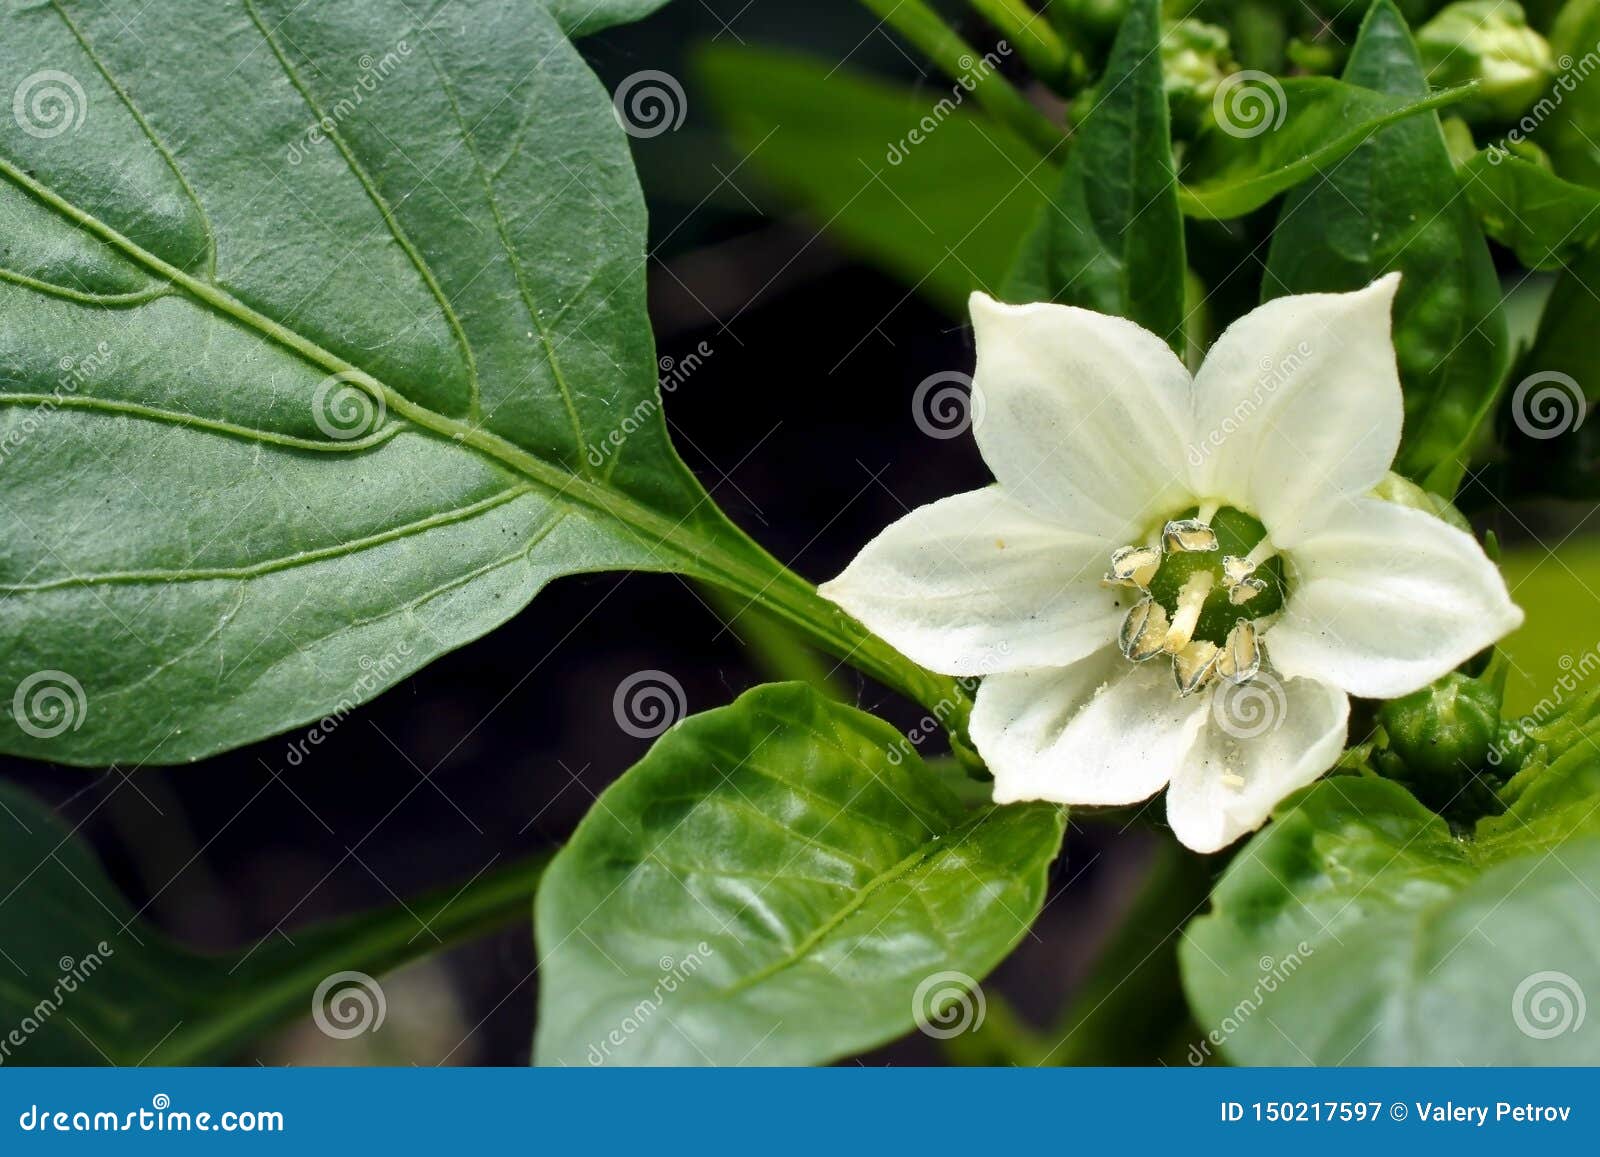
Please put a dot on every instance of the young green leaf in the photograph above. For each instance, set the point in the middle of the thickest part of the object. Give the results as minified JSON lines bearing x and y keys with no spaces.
{"x":1111,"y":237}
{"x":1546,"y":221}
{"x":305,"y":388}
{"x":780,"y":881}
{"x":916,"y":181}
{"x":1358,"y":930}
{"x":1395,"y":203}
{"x":87,"y":982}
{"x":1270,"y":135}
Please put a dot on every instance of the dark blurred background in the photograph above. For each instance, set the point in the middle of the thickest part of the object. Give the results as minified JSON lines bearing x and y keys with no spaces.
{"x":799,"y":422}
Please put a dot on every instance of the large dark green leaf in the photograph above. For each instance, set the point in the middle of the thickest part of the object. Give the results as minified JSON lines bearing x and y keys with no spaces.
{"x":1111,"y":237}
{"x":84,"y":981}
{"x":312,"y":373}
{"x":1526,"y":207}
{"x":1275,"y":134}
{"x":777,"y":882}
{"x":1358,"y":929}
{"x":1395,"y":203}
{"x":583,"y":17}
{"x":914,"y":180}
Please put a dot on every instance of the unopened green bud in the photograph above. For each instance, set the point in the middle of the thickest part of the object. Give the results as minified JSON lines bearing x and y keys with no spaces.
{"x":1487,"y":41}
{"x":1194,"y":62}
{"x":1403,"y":492}
{"x":1446,"y":729}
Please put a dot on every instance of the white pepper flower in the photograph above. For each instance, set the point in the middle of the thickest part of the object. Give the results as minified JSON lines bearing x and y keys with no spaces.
{"x":1178,"y":582}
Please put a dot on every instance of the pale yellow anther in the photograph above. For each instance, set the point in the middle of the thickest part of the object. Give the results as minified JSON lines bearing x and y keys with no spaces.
{"x":1144,"y":631}
{"x":1191,"y":599}
{"x":1195,"y":666}
{"x":1245,"y":591}
{"x":1241,"y":654}
{"x":1134,"y":564}
{"x":1188,"y":534}
{"x":1239,"y":581}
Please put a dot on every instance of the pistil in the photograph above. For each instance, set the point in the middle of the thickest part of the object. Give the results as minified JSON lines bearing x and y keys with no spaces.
{"x":1191,"y":601}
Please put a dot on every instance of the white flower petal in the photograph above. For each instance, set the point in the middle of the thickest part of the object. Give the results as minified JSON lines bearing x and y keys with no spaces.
{"x":1298,"y":406}
{"x":1265,"y":739}
{"x":1102,"y":731}
{"x":1084,"y":416}
{"x":975,"y":583}
{"x":1385,"y":599}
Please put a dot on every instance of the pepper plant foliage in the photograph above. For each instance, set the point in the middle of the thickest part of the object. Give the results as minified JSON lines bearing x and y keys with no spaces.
{"x":284,"y":458}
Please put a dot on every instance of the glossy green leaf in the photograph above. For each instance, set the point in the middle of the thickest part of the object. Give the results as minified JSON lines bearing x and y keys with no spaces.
{"x":915,"y":181}
{"x":85,"y":981}
{"x":780,"y":881}
{"x":1111,"y":237}
{"x":1395,"y":203}
{"x":1358,"y":930}
{"x":1546,"y":221}
{"x":1279,"y":133}
{"x":314,"y":373}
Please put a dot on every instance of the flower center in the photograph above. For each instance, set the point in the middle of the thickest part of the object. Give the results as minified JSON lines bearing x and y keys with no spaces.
{"x":1206,"y":584}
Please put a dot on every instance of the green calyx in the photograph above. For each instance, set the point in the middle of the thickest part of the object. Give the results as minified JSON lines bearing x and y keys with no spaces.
{"x":1237,"y":535}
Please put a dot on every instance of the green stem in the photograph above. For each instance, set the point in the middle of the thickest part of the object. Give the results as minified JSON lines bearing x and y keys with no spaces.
{"x":1132,"y":1004}
{"x":953,"y":56}
{"x":775,"y":647}
{"x":1032,"y":35}
{"x":276,"y":983}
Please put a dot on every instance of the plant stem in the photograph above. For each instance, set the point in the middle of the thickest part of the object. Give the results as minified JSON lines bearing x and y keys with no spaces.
{"x":1032,"y":35}
{"x":276,"y":983}
{"x":1132,"y":1003}
{"x":953,"y":56}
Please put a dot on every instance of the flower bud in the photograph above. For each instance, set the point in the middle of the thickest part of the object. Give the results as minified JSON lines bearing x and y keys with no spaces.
{"x":1445,"y":729}
{"x":1194,"y":61}
{"x":1487,"y":41}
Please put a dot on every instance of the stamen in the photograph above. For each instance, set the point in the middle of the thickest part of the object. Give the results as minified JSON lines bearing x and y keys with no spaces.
{"x":1189,"y":534}
{"x":1134,"y":564}
{"x":1238,"y":580}
{"x":1144,"y":631}
{"x":1191,"y":599}
{"x":1241,"y":654}
{"x":1195,"y":666}
{"x":1261,"y":553}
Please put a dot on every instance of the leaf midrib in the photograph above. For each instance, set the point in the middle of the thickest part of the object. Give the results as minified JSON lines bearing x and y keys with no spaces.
{"x":563,"y":484}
